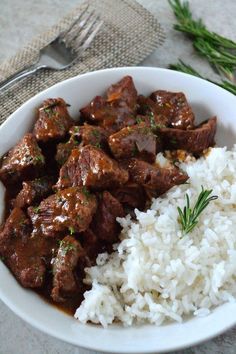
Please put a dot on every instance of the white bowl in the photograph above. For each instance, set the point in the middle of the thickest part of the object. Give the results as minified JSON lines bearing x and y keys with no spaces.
{"x":207,"y":100}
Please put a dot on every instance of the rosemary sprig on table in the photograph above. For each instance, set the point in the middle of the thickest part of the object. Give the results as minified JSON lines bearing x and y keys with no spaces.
{"x":222,"y":60}
{"x":196,"y":28}
{"x":218,"y":50}
{"x":181,"y":66}
{"x":189,"y":217}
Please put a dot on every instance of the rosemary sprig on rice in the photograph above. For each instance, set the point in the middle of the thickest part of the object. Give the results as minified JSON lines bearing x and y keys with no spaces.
{"x":188,"y":217}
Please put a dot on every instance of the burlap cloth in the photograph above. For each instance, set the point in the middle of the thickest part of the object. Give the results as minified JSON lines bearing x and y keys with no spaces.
{"x":128,"y":35}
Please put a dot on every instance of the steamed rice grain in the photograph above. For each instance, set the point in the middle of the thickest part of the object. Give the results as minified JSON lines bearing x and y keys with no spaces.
{"x":156,"y":273}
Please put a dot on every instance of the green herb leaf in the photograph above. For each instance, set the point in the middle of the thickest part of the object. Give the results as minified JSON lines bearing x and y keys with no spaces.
{"x":160,"y":126}
{"x":48,"y":111}
{"x":189,"y":217}
{"x":76,"y":129}
{"x":96,"y":133}
{"x":134,"y":150}
{"x":72,"y":230}
{"x":36,"y":209}
{"x":39,"y":158}
{"x":66,"y":246}
{"x":152,"y":120}
{"x":98,"y":145}
{"x":86,"y":192}
{"x":22,"y":221}
{"x":173,"y":141}
{"x":139,"y":120}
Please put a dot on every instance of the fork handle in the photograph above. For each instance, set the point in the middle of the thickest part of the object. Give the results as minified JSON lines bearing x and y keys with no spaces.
{"x":20,"y":75}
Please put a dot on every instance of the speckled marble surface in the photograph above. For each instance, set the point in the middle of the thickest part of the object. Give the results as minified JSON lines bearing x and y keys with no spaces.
{"x":20,"y":20}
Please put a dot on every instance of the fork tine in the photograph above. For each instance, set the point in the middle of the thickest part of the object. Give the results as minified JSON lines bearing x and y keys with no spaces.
{"x":79,"y":28}
{"x":85,"y":31}
{"x":76,"y":20}
{"x":90,"y":38}
{"x":86,"y":19}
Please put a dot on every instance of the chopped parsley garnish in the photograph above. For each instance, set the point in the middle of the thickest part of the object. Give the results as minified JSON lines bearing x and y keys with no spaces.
{"x":98,"y":145}
{"x":72,"y":230}
{"x":36,"y":209}
{"x":152,"y":119}
{"x":72,"y":141}
{"x":96,"y":133}
{"x":173,"y":141}
{"x":175,"y":161}
{"x":86,"y":192}
{"x":66,"y":177}
{"x":135,"y":150}
{"x":146,"y":130}
{"x":22,"y":221}
{"x":95,"y":136}
{"x":76,"y":129}
{"x":60,"y":125}
{"x":139,"y":120}
{"x":60,"y":199}
{"x":48,"y":111}
{"x":39,"y":158}
{"x":145,"y":107}
{"x":160,"y":126}
{"x":66,"y":246}
{"x":79,"y":218}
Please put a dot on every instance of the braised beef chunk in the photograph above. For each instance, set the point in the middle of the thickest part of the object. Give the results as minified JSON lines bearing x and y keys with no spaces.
{"x":64,"y":150}
{"x":17,"y":226}
{"x":154,"y":179}
{"x":93,"y":168}
{"x":103,"y":113}
{"x":65,"y":281}
{"x":81,"y":136}
{"x":29,"y":270}
{"x":93,"y":245}
{"x":174,"y":105}
{"x":104,"y":223}
{"x":34,"y":191}
{"x":150,"y":114}
{"x":53,"y":120}
{"x":90,"y":244}
{"x":193,"y":140}
{"x":23,"y":161}
{"x":70,"y":210}
{"x":118,"y":110}
{"x":135,"y":141}
{"x":18,"y":251}
{"x":123,"y":93}
{"x":131,"y":196}
{"x":96,"y":111}
{"x":90,"y":135}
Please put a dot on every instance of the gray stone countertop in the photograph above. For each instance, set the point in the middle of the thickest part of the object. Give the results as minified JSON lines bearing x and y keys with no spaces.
{"x":20,"y":21}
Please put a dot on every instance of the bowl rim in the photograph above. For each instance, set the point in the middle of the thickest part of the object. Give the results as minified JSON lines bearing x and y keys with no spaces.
{"x":30,"y":318}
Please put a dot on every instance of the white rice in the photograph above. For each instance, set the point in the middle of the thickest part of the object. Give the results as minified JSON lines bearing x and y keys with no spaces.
{"x":156,"y":273}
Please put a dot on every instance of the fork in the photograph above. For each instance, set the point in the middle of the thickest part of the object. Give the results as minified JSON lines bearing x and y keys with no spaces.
{"x":63,"y":51}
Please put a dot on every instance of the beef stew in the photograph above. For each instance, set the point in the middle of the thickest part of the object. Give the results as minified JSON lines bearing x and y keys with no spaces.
{"x":68,"y":181}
